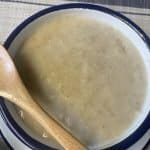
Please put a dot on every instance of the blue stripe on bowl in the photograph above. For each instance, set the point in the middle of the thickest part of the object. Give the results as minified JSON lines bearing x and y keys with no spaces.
{"x":18,"y":131}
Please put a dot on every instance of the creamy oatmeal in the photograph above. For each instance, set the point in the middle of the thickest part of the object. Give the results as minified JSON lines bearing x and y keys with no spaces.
{"x":85,"y":74}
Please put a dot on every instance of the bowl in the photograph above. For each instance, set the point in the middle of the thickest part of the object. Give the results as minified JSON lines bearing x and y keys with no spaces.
{"x":126,"y":26}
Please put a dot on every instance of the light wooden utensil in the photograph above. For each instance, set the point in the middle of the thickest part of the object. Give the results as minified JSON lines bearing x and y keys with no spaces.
{"x":13,"y":89}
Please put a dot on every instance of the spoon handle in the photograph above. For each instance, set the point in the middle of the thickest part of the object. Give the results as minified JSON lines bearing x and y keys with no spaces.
{"x":52,"y":127}
{"x":26,"y":102}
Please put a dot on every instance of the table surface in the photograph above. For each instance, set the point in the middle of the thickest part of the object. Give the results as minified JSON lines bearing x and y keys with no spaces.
{"x":13,"y":12}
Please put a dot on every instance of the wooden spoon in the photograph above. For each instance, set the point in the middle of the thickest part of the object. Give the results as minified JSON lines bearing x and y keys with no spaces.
{"x":13,"y":89}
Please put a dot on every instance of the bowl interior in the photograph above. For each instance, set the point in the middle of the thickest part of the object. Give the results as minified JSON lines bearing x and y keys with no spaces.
{"x":131,"y":34}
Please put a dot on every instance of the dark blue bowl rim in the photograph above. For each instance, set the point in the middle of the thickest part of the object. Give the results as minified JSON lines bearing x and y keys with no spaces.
{"x":18,"y":131}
